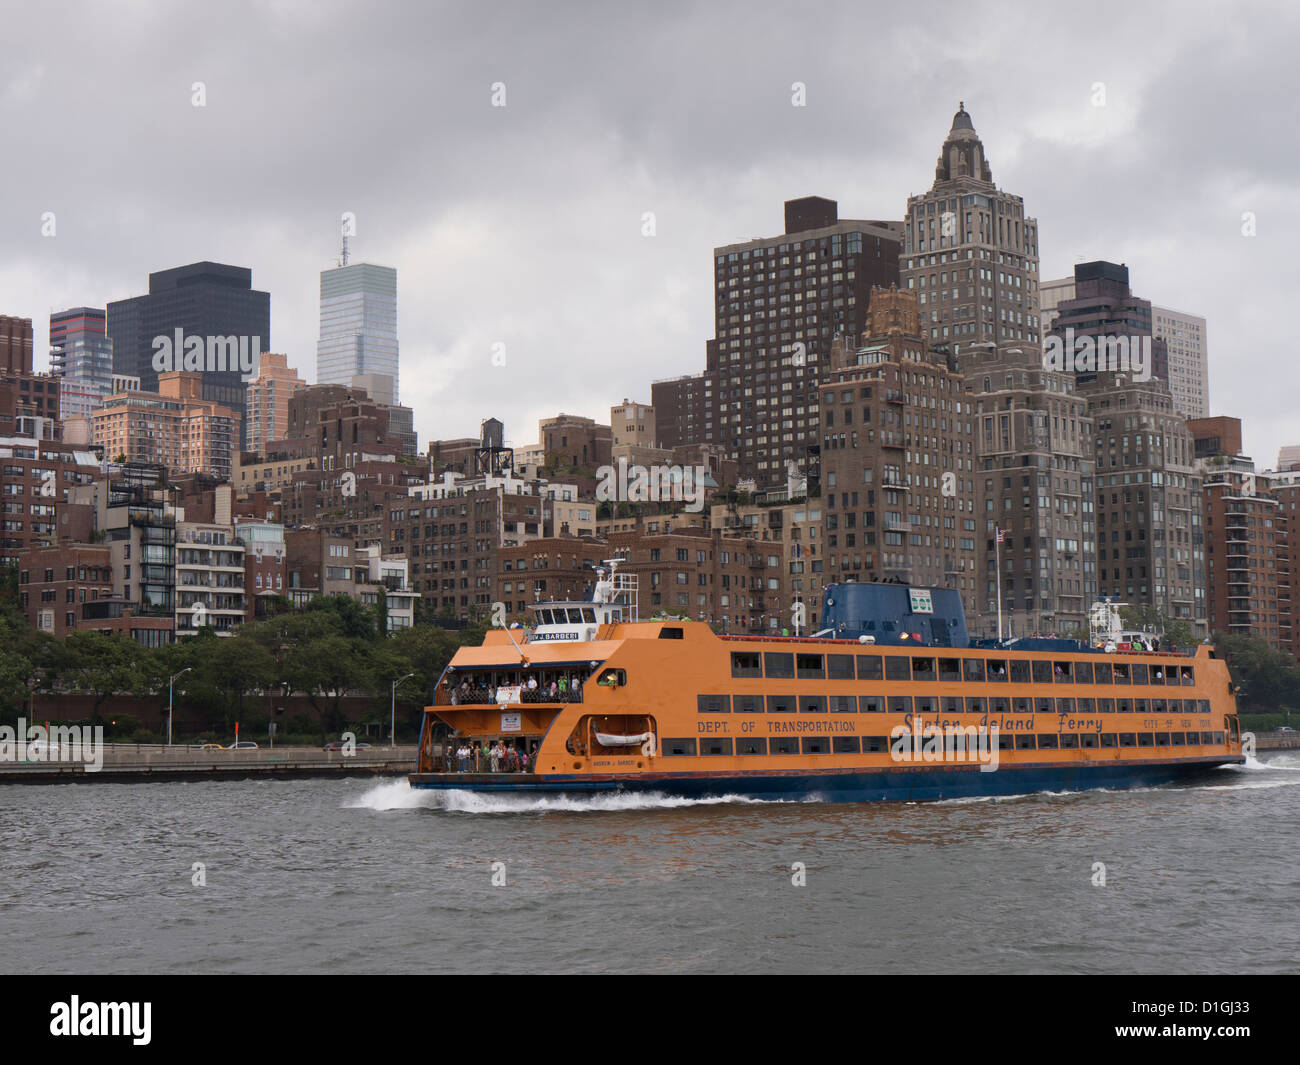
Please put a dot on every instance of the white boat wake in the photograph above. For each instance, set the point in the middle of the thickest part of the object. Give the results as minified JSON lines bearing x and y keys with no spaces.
{"x":399,"y":795}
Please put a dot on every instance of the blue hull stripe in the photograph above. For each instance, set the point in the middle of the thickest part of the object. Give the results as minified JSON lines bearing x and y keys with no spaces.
{"x":892,"y":784}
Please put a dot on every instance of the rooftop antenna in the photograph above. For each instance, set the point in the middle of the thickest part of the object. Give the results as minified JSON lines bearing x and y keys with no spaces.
{"x":343,"y":258}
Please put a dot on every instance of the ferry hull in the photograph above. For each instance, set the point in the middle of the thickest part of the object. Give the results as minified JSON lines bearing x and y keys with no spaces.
{"x":901,"y":784}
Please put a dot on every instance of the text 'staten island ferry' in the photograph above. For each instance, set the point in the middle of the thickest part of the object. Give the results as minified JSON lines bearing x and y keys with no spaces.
{"x":891,"y":701}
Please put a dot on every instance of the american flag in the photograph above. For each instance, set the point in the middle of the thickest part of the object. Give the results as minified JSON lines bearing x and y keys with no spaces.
{"x":1001,"y":536}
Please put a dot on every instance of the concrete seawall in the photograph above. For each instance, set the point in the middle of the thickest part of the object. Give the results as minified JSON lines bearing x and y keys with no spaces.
{"x":1276,"y":741}
{"x":140,"y":762}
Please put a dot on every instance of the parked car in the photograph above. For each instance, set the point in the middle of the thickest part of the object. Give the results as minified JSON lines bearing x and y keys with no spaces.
{"x":1286,"y":728}
{"x":243,"y":745}
{"x":338,"y":745}
{"x":212,"y":747}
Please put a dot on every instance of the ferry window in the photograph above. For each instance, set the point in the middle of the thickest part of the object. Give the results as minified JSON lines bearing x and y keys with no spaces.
{"x":1061,"y":671}
{"x":925,"y":704}
{"x":1141,"y":675}
{"x":816,"y":745}
{"x":872,"y":704}
{"x":900,"y":746}
{"x":750,"y":745}
{"x":1125,"y":706}
{"x":747,"y":704}
{"x":1162,"y":739}
{"x":1005,"y":741}
{"x":923,"y":669}
{"x":783,"y":745}
{"x":997,"y":669}
{"x":746,"y":664}
{"x":1205,"y":706}
{"x":713,"y":704}
{"x":843,"y":704}
{"x":1157,"y":675}
{"x":715,"y":745}
{"x":1120,"y":669}
{"x":1207,"y":737}
{"x":1019,"y":672}
{"x":1085,"y":706}
{"x":1088,"y":739}
{"x":1110,"y":739}
{"x":781,"y":704}
{"x":950,"y":669}
{"x":898,"y":667}
{"x":1140,"y":706}
{"x":975,"y":706}
{"x":810,"y":665}
{"x":1188,"y":674}
{"x":1065,"y":706}
{"x":679,"y":746}
{"x":588,"y":614}
{"x":1047,"y":742}
{"x":667,"y":633}
{"x":1219,"y":737}
{"x":1082,"y":672}
{"x":1128,"y":739}
{"x":1178,"y":739}
{"x":839,"y":667}
{"x":869,"y":668}
{"x":1045,"y":706}
{"x":1021,"y":706}
{"x":1069,"y":742}
{"x":999,"y":704}
{"x":875,"y":744}
{"x":1105,"y":706}
{"x":612,"y":678}
{"x":952,"y":704}
{"x":974,"y":669}
{"x":1024,"y":742}
{"x":1101,"y":673}
{"x":1145,"y":739}
{"x":900,"y":704}
{"x":1042,"y":672}
{"x":778,"y":664}
{"x":812,"y":704}
{"x":1158,"y":707}
{"x":575,"y":615}
{"x":1171,"y":674}
{"x":845,"y":745}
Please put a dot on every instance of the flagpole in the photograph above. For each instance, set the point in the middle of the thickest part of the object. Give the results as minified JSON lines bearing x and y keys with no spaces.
{"x":997,"y":547}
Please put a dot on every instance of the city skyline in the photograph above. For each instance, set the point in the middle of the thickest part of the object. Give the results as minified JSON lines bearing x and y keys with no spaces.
{"x":529,"y":242}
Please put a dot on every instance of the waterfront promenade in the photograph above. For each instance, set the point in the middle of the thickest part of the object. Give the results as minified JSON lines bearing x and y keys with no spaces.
{"x":137,"y":762}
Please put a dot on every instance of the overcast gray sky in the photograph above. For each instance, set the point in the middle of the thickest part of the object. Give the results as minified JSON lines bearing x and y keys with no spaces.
{"x":522,"y":225}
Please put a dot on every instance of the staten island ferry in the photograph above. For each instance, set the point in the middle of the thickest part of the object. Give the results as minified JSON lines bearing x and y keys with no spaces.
{"x":893,"y":700}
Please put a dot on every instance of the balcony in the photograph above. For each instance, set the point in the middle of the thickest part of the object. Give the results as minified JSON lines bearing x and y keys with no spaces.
{"x":895,"y":395}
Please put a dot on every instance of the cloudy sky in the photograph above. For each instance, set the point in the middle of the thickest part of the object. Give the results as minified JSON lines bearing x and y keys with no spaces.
{"x":522,"y":225}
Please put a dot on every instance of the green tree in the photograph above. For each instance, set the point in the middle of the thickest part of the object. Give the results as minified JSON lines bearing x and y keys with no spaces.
{"x":103,"y":666}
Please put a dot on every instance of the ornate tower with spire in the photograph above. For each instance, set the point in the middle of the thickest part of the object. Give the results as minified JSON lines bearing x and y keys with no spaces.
{"x":971,"y":254}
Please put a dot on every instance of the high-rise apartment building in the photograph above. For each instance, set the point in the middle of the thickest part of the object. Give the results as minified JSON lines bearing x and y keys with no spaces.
{"x":778,"y":304}
{"x":81,"y":357}
{"x":266,"y":405}
{"x":202,"y":318}
{"x":1188,"y":359}
{"x":971,"y":252}
{"x":358,"y":326}
{"x":897,"y":423}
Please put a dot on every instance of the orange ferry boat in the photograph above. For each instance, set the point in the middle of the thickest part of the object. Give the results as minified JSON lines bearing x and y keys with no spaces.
{"x":891,"y":702}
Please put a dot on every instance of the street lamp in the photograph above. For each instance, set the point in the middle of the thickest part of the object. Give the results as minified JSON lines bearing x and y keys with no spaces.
{"x":392,"y":734}
{"x":170,"y":703}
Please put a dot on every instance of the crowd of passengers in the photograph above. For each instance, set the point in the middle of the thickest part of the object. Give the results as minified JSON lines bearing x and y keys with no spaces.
{"x":494,"y":756}
{"x":549,"y":688}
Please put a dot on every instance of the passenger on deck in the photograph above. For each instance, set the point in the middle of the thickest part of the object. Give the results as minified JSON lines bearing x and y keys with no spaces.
{"x":495,"y":759}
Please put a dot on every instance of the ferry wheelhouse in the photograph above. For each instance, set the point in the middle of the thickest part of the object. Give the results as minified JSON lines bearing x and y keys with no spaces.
{"x":892,"y":701}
